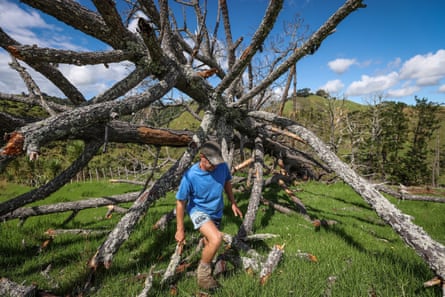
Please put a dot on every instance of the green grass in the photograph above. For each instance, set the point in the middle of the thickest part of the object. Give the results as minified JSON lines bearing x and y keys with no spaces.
{"x":360,"y":253}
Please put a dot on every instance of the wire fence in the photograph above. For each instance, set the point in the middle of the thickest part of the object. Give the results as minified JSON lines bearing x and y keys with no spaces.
{"x":97,"y":174}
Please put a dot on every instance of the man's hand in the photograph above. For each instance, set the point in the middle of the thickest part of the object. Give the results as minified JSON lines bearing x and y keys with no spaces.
{"x":236,"y":211}
{"x":180,"y":236}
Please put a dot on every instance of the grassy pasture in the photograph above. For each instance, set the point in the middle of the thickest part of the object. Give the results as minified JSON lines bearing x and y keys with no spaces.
{"x":359,"y":256}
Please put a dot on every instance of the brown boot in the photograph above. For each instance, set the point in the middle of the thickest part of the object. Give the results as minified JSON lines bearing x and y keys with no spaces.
{"x":205,"y":278}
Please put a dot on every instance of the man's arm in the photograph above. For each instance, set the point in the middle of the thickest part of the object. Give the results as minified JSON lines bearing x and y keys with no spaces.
{"x":228,"y":189}
{"x":180,"y":210}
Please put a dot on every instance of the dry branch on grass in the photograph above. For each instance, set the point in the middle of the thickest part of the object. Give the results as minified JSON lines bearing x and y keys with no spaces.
{"x":162,"y":223}
{"x":24,"y":212}
{"x":277,"y":206}
{"x":147,"y":283}
{"x":127,"y":181}
{"x":114,"y":208}
{"x":174,"y":262}
{"x":307,"y":256}
{"x":55,"y":232}
{"x":405,"y":195}
{"x":271,"y":263}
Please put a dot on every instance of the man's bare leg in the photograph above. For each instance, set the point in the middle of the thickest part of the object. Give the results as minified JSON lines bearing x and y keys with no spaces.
{"x":212,"y":242}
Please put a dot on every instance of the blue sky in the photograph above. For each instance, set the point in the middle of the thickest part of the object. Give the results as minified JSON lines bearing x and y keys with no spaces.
{"x":394,"y":49}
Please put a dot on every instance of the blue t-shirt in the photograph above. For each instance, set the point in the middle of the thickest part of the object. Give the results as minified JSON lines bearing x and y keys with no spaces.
{"x":204,"y":189}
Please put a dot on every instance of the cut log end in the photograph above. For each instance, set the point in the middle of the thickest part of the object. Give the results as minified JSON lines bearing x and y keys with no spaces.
{"x":435,"y":281}
{"x":14,"y":147}
{"x":15,"y":52}
{"x":94,"y":263}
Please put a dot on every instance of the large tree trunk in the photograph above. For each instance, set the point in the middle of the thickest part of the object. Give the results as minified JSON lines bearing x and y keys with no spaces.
{"x":431,"y":251}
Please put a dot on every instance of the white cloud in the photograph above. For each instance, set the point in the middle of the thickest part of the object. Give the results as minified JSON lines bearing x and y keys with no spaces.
{"x":333,"y":86}
{"x":372,"y":84}
{"x":94,"y":79}
{"x":18,"y":23}
{"x":88,"y":79}
{"x":395,"y":64}
{"x":442,"y":89}
{"x":27,"y":26}
{"x":340,"y":66}
{"x":133,"y":24}
{"x":426,"y":69}
{"x":13,"y":18}
{"x":8,"y":77}
{"x":12,"y":83}
{"x":403,"y":92}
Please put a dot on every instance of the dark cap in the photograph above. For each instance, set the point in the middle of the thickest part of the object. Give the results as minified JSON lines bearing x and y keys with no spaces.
{"x":212,"y":152}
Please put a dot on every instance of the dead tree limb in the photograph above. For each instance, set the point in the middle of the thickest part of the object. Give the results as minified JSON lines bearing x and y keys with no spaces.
{"x":162,"y":223}
{"x":407,"y":196}
{"x":54,"y":232}
{"x":174,"y":261}
{"x":148,"y":283}
{"x":126,"y":181}
{"x":276,"y":206}
{"x":46,"y":69}
{"x":242,"y":165}
{"x":33,"y":89}
{"x":308,"y":48}
{"x":432,"y":252}
{"x":246,"y":227}
{"x":292,"y":196}
{"x":114,"y":208}
{"x":271,"y":263}
{"x":25,"y":212}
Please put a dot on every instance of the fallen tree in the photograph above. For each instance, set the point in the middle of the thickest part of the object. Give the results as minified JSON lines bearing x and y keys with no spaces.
{"x":166,"y":57}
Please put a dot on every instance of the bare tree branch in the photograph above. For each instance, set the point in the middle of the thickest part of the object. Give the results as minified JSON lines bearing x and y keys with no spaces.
{"x":119,"y":35}
{"x":309,"y":47}
{"x":28,"y":53}
{"x":26,"y":212}
{"x":76,"y":16}
{"x":33,"y":89}
{"x":257,"y":40}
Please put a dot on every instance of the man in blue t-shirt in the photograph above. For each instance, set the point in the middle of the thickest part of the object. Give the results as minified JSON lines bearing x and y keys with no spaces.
{"x":200,"y":193}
